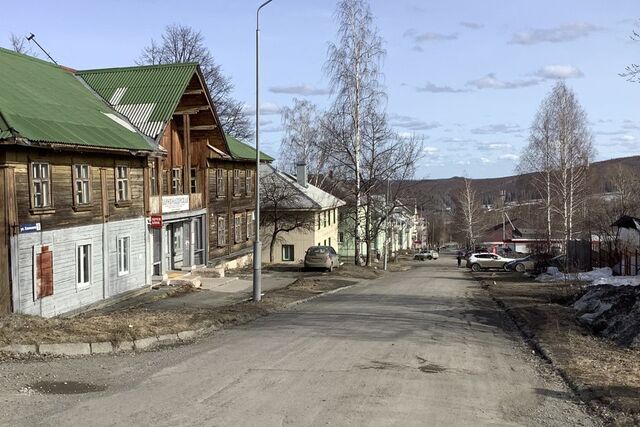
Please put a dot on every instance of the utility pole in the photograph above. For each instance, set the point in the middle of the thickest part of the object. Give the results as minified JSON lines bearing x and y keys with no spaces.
{"x":257,"y":244}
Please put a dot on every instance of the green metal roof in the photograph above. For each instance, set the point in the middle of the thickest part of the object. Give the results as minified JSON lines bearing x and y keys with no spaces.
{"x":43,"y":102}
{"x":240,"y":150}
{"x":148,"y":95}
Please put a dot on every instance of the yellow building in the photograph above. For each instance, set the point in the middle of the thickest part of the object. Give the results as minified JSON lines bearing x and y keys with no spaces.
{"x":295,"y":215}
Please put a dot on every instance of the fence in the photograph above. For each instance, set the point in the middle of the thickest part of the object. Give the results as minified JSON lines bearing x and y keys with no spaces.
{"x":584,"y":255}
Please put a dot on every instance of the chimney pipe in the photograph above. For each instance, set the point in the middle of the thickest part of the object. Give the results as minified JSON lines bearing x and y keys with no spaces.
{"x":301,"y":174}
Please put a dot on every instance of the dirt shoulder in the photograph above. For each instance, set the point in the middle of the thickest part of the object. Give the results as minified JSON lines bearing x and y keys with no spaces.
{"x":144,"y":318}
{"x":603,"y":374}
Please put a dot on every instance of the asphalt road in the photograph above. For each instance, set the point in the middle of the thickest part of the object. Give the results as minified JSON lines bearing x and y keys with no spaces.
{"x":423,"y":347}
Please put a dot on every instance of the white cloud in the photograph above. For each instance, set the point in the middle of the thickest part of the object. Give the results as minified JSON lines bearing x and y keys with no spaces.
{"x":430,"y":150}
{"x":559,"y":34}
{"x":411,"y":123}
{"x":559,"y":72}
{"x":266,"y":108}
{"x":472,"y":25}
{"x":485,"y":160}
{"x":497,"y":128}
{"x":433,"y":88}
{"x":493,"y":146}
{"x":302,"y":89}
{"x":507,"y":156}
{"x":490,"y":81}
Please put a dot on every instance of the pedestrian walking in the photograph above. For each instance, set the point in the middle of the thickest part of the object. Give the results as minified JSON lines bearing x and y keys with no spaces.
{"x":459,"y":259}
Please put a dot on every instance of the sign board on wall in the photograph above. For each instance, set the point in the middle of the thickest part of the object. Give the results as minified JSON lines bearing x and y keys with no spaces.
{"x":175,"y":203}
{"x":29,"y":228}
{"x":156,"y":221}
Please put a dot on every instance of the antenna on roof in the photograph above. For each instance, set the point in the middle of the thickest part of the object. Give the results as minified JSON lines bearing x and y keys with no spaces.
{"x":32,"y":38}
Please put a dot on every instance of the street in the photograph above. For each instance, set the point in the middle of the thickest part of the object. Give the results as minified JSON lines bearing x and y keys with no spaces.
{"x":422,"y":347}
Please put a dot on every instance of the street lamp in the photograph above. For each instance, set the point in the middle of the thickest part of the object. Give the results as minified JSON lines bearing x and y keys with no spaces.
{"x":257,"y":244}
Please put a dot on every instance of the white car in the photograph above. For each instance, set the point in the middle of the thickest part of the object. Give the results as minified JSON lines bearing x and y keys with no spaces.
{"x":485,"y":261}
{"x":426,"y":255}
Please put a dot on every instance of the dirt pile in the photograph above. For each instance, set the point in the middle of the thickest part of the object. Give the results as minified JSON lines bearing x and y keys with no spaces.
{"x":612,"y":312}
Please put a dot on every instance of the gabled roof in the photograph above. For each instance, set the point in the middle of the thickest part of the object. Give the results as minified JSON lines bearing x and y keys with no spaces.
{"x":241,"y":151}
{"x":148,"y":95}
{"x":311,"y":197}
{"x":45,"y":103}
{"x":626,"y":221}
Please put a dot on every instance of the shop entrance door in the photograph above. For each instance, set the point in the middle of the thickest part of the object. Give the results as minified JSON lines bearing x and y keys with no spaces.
{"x":177,"y":245}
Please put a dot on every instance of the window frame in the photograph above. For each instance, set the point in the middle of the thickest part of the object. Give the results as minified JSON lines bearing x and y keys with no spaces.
{"x":237,"y":227}
{"x":153,"y":179}
{"x":249,"y":181}
{"x":251,"y":217}
{"x":79,"y":268}
{"x":292,"y":255}
{"x":236,"y":182}
{"x":220,"y":183}
{"x":176,"y":177}
{"x":193,"y":180}
{"x":47,"y":202}
{"x":123,"y":257}
{"x":221,"y":230}
{"x":76,"y":180}
{"x":125,"y":181}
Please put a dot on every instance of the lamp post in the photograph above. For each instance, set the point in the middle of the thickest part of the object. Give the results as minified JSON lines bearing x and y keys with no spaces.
{"x":257,"y":244}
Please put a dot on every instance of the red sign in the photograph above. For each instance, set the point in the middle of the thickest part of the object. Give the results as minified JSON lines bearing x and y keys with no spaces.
{"x":156,"y":221}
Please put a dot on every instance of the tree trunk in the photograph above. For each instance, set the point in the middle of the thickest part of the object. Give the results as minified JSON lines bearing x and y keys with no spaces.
{"x":272,"y":246}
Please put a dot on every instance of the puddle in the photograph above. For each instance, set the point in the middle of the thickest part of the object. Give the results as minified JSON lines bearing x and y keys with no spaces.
{"x":66,"y":387}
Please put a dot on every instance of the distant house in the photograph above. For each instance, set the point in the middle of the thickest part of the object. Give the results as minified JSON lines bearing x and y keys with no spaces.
{"x":300,"y":202}
{"x":515,"y":235}
{"x":73,"y":195}
{"x":627,"y":231}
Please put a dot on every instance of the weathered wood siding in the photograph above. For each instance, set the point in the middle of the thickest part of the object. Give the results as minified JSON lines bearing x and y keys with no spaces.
{"x":229,"y":205}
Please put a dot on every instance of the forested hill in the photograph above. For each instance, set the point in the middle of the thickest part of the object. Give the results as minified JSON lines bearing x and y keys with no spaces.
{"x":430,"y":192}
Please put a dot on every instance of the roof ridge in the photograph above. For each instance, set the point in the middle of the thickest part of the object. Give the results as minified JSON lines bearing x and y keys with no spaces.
{"x":138,"y":67}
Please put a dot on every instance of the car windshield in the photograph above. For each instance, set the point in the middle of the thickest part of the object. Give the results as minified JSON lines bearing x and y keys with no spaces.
{"x":317,"y":251}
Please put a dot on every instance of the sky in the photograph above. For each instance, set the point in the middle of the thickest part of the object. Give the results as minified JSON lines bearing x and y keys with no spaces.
{"x":467,"y":76}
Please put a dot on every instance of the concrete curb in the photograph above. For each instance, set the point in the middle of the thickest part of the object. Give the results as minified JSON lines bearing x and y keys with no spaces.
{"x":141,"y":344}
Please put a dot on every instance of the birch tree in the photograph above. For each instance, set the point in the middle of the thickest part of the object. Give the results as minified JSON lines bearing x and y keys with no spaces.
{"x":536,"y":160}
{"x":304,"y":139}
{"x":573,"y":152}
{"x":468,"y":211}
{"x":354,"y":68}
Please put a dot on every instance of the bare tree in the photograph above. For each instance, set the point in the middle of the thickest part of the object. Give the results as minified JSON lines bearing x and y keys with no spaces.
{"x":536,"y":159}
{"x":573,"y":153}
{"x":281,"y":212}
{"x":468,"y":211}
{"x":632,"y":71}
{"x":354,"y":67}
{"x":181,"y":43}
{"x":303,"y":139}
{"x":20,"y":45}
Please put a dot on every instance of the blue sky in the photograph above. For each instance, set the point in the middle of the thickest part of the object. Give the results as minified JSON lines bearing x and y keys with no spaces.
{"x":467,"y":75}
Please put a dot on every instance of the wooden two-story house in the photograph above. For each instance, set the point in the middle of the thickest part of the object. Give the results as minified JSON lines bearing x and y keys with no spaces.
{"x":202,"y":191}
{"x":72,"y":194}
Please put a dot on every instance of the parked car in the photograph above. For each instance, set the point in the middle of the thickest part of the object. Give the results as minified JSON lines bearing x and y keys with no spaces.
{"x":485,"y":261}
{"x":426,"y":255}
{"x":533,"y":262}
{"x":321,"y":257}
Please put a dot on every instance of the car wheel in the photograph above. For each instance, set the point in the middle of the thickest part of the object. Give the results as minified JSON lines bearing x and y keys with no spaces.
{"x":330,"y":268}
{"x":520,"y":268}
{"x":429,"y":257}
{"x":475,"y":267}
{"x":505,"y":268}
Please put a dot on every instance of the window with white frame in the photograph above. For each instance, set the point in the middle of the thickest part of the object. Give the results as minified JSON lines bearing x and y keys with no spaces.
{"x":340,"y":236}
{"x":40,"y":185}
{"x":249,"y":179}
{"x":324,"y":218}
{"x":194,"y":180}
{"x":222,"y":230}
{"x":83,"y":264}
{"x":236,"y":182}
{"x":220,"y":187}
{"x":123,"y":252}
{"x":153,"y":176}
{"x":251,"y":220}
{"x":122,"y":183}
{"x":287,"y":253}
{"x":176,"y":181}
{"x":82,"y":184}
{"x":237,"y":228}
